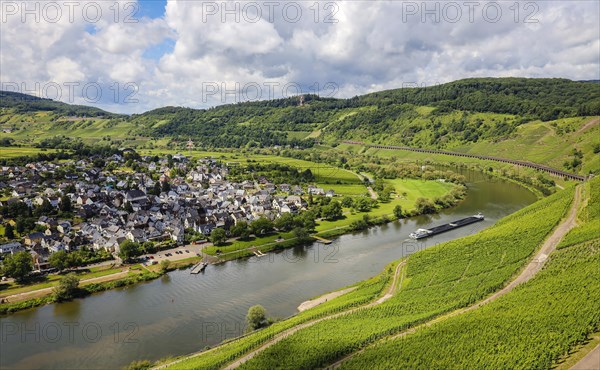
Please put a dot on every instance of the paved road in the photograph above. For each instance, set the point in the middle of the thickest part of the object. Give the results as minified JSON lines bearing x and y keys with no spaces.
{"x":590,"y":362}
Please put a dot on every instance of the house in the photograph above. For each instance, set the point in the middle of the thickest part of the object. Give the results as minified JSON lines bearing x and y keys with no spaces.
{"x":136,"y":235}
{"x":316,"y":191}
{"x":64,"y":227}
{"x":10,"y":247}
{"x":34,"y":238}
{"x":177,"y":235}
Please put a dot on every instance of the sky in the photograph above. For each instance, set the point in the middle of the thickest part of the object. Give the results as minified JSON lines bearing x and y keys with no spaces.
{"x":131,"y":56}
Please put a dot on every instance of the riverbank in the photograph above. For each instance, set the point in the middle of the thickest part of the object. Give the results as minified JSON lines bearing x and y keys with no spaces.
{"x":172,"y":310}
{"x":83,"y":291}
{"x":44,"y":296}
{"x":322,"y":299}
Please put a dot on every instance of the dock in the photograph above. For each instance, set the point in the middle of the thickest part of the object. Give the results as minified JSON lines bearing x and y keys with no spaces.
{"x":322,"y":240}
{"x":258,"y":253}
{"x":198,"y":268}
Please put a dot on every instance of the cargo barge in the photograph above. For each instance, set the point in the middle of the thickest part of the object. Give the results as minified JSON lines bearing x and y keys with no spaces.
{"x":424,"y":233}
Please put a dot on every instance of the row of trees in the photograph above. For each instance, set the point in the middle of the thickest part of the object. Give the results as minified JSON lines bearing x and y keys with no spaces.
{"x":301,"y":224}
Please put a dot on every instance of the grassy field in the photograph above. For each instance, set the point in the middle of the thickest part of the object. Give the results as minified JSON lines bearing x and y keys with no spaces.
{"x":7,"y":289}
{"x":532,"y":142}
{"x":12,"y":152}
{"x":414,"y":189}
{"x":324,"y":173}
{"x":410,"y":157}
{"x":550,"y":143}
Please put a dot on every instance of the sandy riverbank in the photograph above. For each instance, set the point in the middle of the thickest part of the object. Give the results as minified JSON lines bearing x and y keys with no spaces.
{"x":322,"y":299}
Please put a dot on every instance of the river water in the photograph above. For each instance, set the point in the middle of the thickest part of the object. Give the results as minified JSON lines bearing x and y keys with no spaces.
{"x":181,"y":313}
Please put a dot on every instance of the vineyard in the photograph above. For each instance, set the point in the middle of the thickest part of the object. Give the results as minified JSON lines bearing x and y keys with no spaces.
{"x":439,"y":279}
{"x":530,"y":328}
{"x":365,"y":292}
{"x":588,"y":217}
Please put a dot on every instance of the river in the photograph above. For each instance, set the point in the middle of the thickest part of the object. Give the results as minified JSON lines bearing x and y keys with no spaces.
{"x":182,"y":313}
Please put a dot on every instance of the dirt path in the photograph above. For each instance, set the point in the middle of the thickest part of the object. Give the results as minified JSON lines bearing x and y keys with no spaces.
{"x":590,"y":362}
{"x":373,"y":193}
{"x":589,"y":124}
{"x":534,"y":266}
{"x":284,"y":334}
{"x":45,"y":291}
{"x":322,"y":299}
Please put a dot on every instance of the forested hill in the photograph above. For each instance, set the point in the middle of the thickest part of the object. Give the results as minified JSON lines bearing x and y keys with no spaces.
{"x":545,"y":99}
{"x":23,"y":103}
{"x":447,"y":116}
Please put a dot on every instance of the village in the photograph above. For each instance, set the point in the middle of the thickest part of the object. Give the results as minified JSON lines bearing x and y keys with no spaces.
{"x":98,"y":204}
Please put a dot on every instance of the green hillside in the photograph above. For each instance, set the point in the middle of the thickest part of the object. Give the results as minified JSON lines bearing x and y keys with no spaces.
{"x":551,"y":121}
{"x":535,"y":326}
{"x":434,"y":281}
{"x":539,"y":324}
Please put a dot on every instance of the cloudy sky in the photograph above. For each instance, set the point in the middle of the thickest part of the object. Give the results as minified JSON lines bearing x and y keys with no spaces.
{"x":131,"y":56}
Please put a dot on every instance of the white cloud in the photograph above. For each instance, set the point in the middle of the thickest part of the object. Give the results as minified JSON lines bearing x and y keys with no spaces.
{"x":373,"y":46}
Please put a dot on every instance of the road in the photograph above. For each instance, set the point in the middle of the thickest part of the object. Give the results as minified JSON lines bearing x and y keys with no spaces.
{"x":590,"y":362}
{"x":534,"y":266}
{"x":284,"y":334}
{"x":396,"y":281}
{"x":45,"y":291}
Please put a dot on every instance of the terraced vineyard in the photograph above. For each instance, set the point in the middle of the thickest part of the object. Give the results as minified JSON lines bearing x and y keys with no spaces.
{"x":437,"y":280}
{"x":365,"y":292}
{"x":588,"y":216}
{"x":529,"y":328}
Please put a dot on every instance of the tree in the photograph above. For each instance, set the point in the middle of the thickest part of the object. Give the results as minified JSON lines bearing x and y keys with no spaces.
{"x":261,"y":226}
{"x":66,"y":288}
{"x":157,"y":188}
{"x":149,"y":247}
{"x":58,"y":260}
{"x":74,"y":259}
{"x":307,"y":220}
{"x":18,"y":265}
{"x":45,"y":208}
{"x":21,"y":225}
{"x":65,"y":204}
{"x":240,"y":230}
{"x":218,"y":236}
{"x":164,"y":265}
{"x":347,"y":202}
{"x":256,"y":317}
{"x":128,"y":207}
{"x":362,"y":204}
{"x":9,"y":232}
{"x":300,"y":233}
{"x":424,"y":206}
{"x":129,"y":249}
{"x":285,"y":222}
{"x":398,"y":211}
{"x":332,"y":211}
